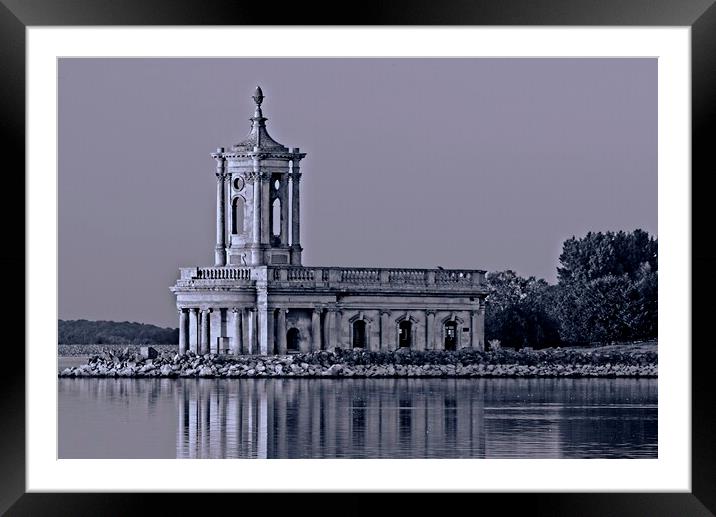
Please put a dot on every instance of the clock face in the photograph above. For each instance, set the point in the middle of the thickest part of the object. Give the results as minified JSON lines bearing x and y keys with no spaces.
{"x":238,"y":184}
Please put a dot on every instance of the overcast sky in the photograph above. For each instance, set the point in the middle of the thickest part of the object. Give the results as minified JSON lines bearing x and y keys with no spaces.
{"x":465,"y":163}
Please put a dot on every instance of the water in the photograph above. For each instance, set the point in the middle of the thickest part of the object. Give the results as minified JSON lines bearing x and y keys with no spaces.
{"x":357,"y":418}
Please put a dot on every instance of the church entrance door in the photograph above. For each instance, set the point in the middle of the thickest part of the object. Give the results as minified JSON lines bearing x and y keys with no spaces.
{"x":293,"y":339}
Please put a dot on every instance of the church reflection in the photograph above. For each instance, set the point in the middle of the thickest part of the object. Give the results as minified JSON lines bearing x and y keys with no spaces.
{"x":416,"y":418}
{"x":348,"y":418}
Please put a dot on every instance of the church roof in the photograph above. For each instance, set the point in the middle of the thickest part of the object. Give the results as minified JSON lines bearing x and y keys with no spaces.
{"x":258,"y":135}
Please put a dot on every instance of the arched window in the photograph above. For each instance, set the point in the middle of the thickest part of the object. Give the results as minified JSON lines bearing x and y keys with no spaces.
{"x":237,"y":215}
{"x":405,"y":330}
{"x":359,"y":337}
{"x":276,"y":218}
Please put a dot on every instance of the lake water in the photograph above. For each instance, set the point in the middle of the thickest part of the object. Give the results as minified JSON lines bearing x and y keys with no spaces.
{"x":357,"y":418}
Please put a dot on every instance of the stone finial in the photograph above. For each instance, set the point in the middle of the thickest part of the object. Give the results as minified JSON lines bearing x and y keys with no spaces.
{"x":258,"y":96}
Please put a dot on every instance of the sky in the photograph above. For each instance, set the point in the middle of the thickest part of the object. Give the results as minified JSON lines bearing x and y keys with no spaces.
{"x":461,"y":163}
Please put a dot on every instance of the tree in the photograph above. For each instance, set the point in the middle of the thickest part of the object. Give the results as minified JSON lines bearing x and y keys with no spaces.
{"x":516,"y":311}
{"x":112,"y":332}
{"x":607,"y":287}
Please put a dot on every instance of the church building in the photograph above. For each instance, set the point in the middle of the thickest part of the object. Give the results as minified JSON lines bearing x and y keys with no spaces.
{"x":258,"y":297}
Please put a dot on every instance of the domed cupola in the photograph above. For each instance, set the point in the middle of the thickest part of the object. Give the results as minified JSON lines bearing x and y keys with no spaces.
{"x":258,"y":136}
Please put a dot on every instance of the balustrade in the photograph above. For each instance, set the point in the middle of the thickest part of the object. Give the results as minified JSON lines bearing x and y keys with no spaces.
{"x":383,"y":276}
{"x":360,"y":275}
{"x":223,"y":273}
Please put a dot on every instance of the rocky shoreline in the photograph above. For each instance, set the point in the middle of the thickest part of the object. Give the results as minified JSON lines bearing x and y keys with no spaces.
{"x":350,"y":363}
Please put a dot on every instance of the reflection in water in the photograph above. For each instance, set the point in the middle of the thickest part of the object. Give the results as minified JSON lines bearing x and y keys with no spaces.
{"x":416,"y":418}
{"x":357,"y":418}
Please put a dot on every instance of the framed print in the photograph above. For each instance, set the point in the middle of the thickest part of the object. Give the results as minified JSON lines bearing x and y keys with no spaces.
{"x":433,"y":161}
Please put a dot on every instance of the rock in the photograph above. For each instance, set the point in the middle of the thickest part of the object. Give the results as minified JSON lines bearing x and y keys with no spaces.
{"x":148,"y":352}
{"x":206,"y":371}
{"x":334,"y":369}
{"x":165,"y":370}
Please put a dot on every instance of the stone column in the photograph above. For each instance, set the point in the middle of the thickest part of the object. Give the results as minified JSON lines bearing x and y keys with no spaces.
{"x":220,"y":254}
{"x":236,"y":344}
{"x":251,"y":316}
{"x":271,"y":345}
{"x":430,"y":344}
{"x":227,"y":211}
{"x":183,"y":331}
{"x":245,"y":337}
{"x":265,"y":207}
{"x":284,"y":209}
{"x":316,"y":329}
{"x":256,"y":257}
{"x":263,"y":316}
{"x":194,"y":330}
{"x":205,"y":333}
{"x":385,"y":330}
{"x":295,"y":214}
{"x":262,"y":323}
{"x":256,"y":210}
{"x":281,"y":331}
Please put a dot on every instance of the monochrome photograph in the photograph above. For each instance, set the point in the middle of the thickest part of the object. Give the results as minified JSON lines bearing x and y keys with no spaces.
{"x":357,"y":258}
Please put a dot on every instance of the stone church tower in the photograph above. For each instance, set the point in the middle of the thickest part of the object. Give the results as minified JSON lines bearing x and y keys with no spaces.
{"x":257,"y":180}
{"x":258,"y":298}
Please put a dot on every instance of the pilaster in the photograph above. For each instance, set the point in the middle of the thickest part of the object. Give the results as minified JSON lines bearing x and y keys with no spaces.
{"x":385,"y":330}
{"x":477,"y":325}
{"x":316,"y":329}
{"x":430,"y":329}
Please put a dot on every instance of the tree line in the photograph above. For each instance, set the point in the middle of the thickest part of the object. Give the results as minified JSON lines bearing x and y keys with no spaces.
{"x":606,"y":292}
{"x":84,"y":332}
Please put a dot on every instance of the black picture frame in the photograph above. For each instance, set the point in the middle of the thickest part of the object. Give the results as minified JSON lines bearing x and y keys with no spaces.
{"x":700,"y":15}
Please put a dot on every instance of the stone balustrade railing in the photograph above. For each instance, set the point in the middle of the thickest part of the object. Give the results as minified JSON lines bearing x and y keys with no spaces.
{"x":447,"y":276}
{"x":360,"y":275}
{"x":335,"y":276}
{"x":379,"y":276}
{"x":409,"y":276}
{"x":215,"y":273}
{"x":300,"y":274}
{"x":223,"y":273}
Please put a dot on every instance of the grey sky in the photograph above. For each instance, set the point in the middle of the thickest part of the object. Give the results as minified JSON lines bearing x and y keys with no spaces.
{"x":470,"y":163}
